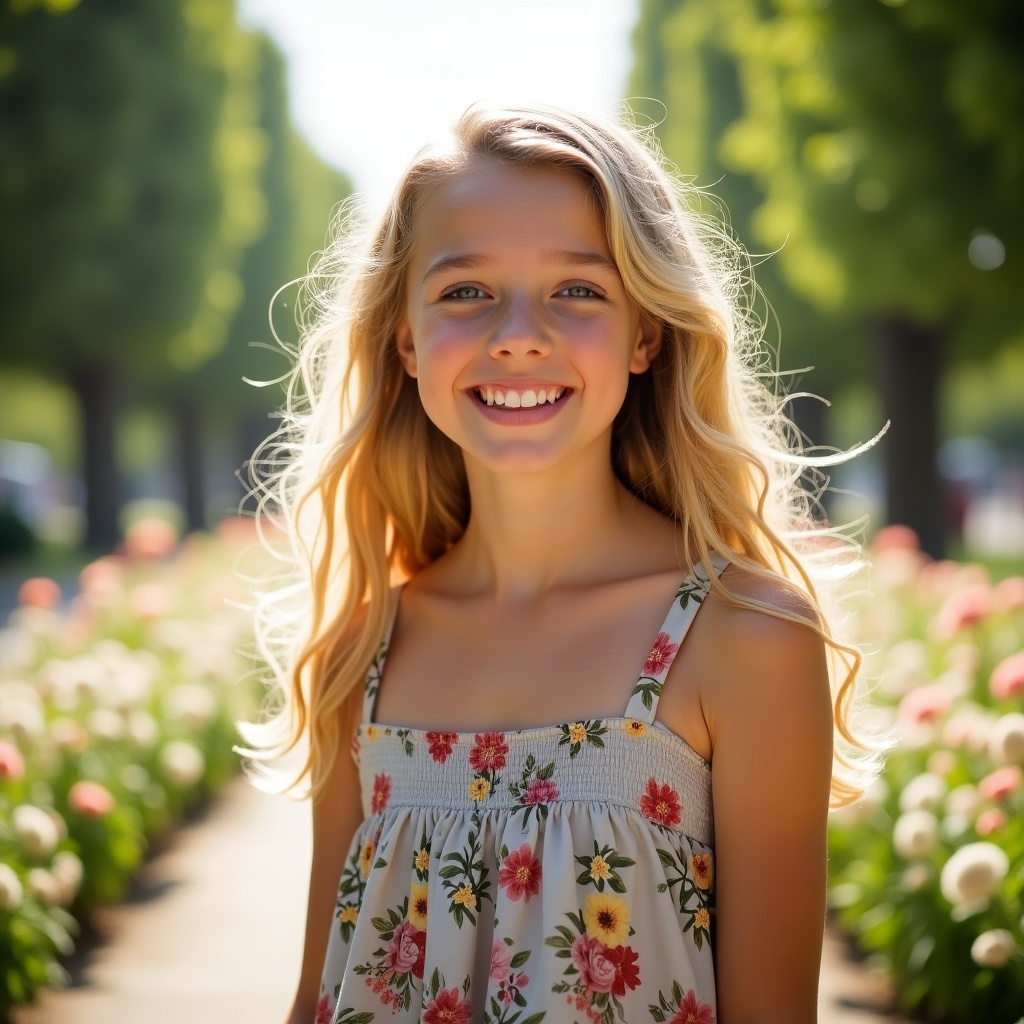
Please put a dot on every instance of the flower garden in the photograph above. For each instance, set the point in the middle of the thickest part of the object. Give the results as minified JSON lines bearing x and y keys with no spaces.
{"x":117,"y":711}
{"x":116,"y":716}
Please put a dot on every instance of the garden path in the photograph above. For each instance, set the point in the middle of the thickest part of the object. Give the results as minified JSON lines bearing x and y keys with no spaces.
{"x":213,"y":931}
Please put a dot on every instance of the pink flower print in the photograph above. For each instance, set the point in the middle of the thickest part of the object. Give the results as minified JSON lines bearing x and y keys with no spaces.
{"x":501,"y":961}
{"x":540,"y":791}
{"x":381,"y":793}
{"x":440,"y":744}
{"x":520,"y":874}
{"x":324,"y":1010}
{"x":590,"y":958}
{"x":447,"y":1008}
{"x":406,"y":950}
{"x":661,"y":655}
{"x":692,"y":1012}
{"x":488,"y":754}
{"x":661,"y":803}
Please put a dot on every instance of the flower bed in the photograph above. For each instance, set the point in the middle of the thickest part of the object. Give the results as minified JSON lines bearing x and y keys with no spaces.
{"x":116,"y":715}
{"x":927,"y":871}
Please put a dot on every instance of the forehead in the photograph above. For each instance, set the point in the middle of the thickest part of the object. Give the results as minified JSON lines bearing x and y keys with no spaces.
{"x":493,"y":203}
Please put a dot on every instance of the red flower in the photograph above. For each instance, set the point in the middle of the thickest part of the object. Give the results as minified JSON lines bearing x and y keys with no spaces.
{"x":12,"y":764}
{"x":324,"y":1010}
{"x":441,"y":744}
{"x":90,"y":799}
{"x":692,"y":1012}
{"x":661,"y":803}
{"x":381,"y":793}
{"x":623,"y":959}
{"x":447,"y":1008}
{"x":488,"y":755}
{"x":540,"y":791}
{"x":520,"y":874}
{"x":661,"y":655}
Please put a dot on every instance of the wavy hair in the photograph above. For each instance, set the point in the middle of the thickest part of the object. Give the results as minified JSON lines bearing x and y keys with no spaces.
{"x":366,"y":491}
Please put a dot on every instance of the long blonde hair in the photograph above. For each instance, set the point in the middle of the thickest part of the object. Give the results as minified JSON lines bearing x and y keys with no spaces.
{"x":367,"y":491}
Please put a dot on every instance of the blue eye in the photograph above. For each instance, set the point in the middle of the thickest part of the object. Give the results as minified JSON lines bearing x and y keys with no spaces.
{"x":463,"y":292}
{"x":579,"y":291}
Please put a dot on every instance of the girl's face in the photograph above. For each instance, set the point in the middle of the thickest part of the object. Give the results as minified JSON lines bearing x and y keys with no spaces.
{"x":517,"y":326}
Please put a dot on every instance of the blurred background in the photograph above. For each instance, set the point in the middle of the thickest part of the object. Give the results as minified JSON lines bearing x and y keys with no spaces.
{"x":168,"y":168}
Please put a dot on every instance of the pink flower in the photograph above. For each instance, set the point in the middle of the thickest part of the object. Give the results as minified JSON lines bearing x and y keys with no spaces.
{"x":381,"y":793}
{"x":39,"y":592}
{"x":590,"y":958}
{"x":895,"y":538}
{"x":90,"y":799}
{"x":488,"y":754}
{"x":623,"y":959}
{"x":540,"y":791}
{"x":406,"y":950}
{"x":521,"y":980}
{"x":520,"y":874}
{"x":12,"y":764}
{"x":924,"y":704}
{"x":661,"y":803}
{"x":1010,"y":593}
{"x":501,"y":961}
{"x":1008,"y":677}
{"x":447,"y":1008}
{"x":324,"y":1010}
{"x":692,"y":1012}
{"x":661,"y":655}
{"x":964,"y":608}
{"x":150,"y":538}
{"x":1001,"y":783}
{"x":990,"y":820}
{"x":440,"y":744}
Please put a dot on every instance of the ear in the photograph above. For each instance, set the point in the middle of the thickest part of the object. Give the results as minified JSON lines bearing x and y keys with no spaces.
{"x":646,"y":345}
{"x":405,"y":348}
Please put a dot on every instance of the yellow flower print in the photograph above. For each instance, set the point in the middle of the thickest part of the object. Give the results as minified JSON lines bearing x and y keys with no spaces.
{"x":635,"y":729}
{"x":418,"y":906}
{"x":702,"y":869}
{"x":702,"y":919}
{"x":577,"y":732}
{"x":348,"y":915}
{"x":465,"y":896}
{"x":370,"y":732}
{"x":422,"y":860}
{"x":478,"y":789}
{"x":599,"y":868}
{"x":607,"y":918}
{"x":366,"y":858}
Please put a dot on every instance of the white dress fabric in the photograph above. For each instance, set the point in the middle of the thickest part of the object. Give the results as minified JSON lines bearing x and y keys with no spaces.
{"x":557,"y":874}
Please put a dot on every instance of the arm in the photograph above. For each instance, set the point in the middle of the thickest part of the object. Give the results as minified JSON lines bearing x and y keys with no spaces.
{"x":770,"y":718}
{"x":336,"y":816}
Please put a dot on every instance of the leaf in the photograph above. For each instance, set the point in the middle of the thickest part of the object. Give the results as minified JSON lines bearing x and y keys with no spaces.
{"x":618,"y":861}
{"x":595,"y":741}
{"x":616,"y":884}
{"x":666,"y":858}
{"x":535,"y":1018}
{"x":584,"y":878}
{"x":655,"y":1012}
{"x":519,"y":959}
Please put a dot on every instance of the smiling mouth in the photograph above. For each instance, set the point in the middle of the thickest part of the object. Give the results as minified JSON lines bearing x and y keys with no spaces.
{"x":515,"y":398}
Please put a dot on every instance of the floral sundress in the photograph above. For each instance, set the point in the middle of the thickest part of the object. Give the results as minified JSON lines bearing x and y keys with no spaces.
{"x":557,"y":874}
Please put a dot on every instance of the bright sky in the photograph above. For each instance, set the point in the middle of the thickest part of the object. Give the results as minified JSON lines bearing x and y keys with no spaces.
{"x":373,"y":80}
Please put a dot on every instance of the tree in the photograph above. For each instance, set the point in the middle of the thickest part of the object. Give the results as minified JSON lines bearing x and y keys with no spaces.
{"x":882,"y":141}
{"x":111,"y":201}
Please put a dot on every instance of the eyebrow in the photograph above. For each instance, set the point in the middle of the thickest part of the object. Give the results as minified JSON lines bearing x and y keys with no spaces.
{"x":566,"y":257}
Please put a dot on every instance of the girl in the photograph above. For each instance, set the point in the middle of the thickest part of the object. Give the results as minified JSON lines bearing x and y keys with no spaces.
{"x":535,"y":458}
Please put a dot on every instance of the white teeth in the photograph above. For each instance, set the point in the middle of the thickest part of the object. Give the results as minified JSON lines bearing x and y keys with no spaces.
{"x":541,"y":396}
{"x":528,"y":399}
{"x":512,"y":400}
{"x":490,"y":397}
{"x":499,"y":398}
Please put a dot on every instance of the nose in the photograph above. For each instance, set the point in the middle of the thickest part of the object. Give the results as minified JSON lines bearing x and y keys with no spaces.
{"x":520,"y":329}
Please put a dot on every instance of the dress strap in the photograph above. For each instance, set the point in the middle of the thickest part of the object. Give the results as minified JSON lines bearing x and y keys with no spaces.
{"x":373,"y":677}
{"x":643,"y":701}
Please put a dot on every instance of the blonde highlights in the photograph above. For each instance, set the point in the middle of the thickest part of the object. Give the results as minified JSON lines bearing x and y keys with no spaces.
{"x":369,"y":491}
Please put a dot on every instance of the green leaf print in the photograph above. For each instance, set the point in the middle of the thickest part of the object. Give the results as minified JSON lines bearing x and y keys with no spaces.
{"x":694,"y":591}
{"x":648,"y":689}
{"x":575,"y":734}
{"x":351,"y":1017}
{"x":601,"y":869}
{"x":465,"y":880}
{"x":693,"y":875}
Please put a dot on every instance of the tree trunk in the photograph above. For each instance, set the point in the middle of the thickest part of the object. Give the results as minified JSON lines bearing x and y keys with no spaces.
{"x":911,"y":360}
{"x":189,"y":432}
{"x":97,"y":388}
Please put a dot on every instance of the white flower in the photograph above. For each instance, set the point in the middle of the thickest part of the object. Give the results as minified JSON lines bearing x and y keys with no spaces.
{"x":993,"y":948}
{"x":915,"y":833}
{"x":973,"y":873}
{"x":67,"y":872}
{"x":143,"y":729}
{"x":183,"y":763}
{"x":917,"y":876}
{"x":36,"y":829}
{"x":963,"y":800}
{"x":105,"y":724}
{"x":191,"y":704}
{"x":68,"y":734}
{"x":21,"y":710}
{"x":924,"y":792}
{"x":43,"y":887}
{"x":1006,"y":741}
{"x":11,"y":892}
